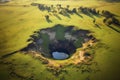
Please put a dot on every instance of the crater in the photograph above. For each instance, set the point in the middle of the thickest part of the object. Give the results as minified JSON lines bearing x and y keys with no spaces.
{"x":58,"y":42}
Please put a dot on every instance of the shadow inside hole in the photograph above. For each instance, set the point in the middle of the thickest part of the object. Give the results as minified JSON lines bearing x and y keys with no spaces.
{"x":62,"y":48}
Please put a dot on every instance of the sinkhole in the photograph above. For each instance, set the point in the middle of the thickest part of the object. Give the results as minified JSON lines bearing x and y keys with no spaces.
{"x":58,"y":42}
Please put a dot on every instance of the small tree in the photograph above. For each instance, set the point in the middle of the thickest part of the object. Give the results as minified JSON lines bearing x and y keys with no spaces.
{"x":74,"y":10}
{"x":104,"y":20}
{"x":68,"y":6}
{"x":98,"y":12}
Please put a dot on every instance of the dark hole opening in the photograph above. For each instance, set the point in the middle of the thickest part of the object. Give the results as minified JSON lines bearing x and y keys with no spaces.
{"x":58,"y":41}
{"x":65,"y":48}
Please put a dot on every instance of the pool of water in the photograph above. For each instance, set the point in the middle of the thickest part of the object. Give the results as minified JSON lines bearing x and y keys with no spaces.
{"x":60,"y":55}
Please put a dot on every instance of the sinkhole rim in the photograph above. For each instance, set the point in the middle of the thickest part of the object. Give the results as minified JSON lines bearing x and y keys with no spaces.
{"x":73,"y":39}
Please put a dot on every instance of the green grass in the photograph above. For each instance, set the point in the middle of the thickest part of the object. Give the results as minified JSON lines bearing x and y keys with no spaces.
{"x":78,"y":43}
{"x":46,"y":42}
{"x":60,"y":31}
{"x":18,"y":23}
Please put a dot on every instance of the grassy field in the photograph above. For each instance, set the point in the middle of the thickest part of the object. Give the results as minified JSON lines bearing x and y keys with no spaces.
{"x":17,"y":23}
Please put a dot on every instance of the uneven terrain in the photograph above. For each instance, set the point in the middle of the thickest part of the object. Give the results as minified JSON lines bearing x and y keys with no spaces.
{"x":19,"y":19}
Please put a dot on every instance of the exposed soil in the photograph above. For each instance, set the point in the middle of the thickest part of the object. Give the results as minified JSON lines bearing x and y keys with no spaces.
{"x":59,"y":38}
